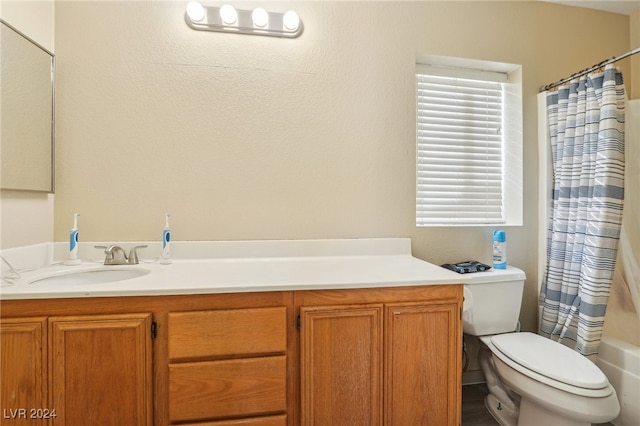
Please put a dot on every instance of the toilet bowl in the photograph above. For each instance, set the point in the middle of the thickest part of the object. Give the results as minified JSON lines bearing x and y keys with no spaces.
{"x":532,"y":380}
{"x":555,"y":385}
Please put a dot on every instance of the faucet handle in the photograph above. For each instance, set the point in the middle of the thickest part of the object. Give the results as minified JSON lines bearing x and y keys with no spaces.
{"x":133,"y":254}
{"x":115,"y":255}
{"x":109,"y":255}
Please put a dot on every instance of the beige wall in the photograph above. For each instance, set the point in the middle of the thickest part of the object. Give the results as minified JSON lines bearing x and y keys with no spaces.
{"x":27,"y":218}
{"x":34,"y":18}
{"x":243,"y":137}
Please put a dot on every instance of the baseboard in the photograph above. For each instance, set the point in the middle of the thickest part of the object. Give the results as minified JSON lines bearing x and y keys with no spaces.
{"x":472,"y":377}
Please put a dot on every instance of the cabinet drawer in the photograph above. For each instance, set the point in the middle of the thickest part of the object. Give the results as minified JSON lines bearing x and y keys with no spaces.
{"x":255,"y":421}
{"x":227,"y":388}
{"x":227,"y":332}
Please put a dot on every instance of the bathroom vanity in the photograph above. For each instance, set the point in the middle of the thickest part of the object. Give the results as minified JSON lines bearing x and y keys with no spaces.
{"x":302,"y":340}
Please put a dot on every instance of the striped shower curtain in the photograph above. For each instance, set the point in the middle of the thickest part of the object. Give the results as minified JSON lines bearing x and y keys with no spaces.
{"x":586,"y":130}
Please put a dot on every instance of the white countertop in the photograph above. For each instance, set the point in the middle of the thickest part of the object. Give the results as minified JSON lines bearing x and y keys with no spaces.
{"x":234,"y":267}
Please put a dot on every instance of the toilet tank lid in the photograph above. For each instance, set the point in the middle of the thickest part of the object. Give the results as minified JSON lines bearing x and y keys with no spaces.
{"x":496,"y":275}
{"x":550,"y":359}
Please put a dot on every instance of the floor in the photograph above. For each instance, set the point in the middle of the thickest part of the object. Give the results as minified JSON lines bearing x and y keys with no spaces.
{"x":474,"y":412}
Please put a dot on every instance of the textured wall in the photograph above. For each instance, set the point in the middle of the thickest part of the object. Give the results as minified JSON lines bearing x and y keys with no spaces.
{"x":243,"y":137}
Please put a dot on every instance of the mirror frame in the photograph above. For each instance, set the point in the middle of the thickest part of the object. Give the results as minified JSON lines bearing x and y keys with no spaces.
{"x":51,"y":189}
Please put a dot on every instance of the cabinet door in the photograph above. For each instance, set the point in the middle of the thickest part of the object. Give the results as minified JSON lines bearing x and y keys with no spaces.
{"x":423,"y":364}
{"x":23,"y":354}
{"x":101,"y":369}
{"x":341,"y":365}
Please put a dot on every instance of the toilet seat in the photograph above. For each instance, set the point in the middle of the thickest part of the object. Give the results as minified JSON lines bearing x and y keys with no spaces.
{"x":550,"y":363}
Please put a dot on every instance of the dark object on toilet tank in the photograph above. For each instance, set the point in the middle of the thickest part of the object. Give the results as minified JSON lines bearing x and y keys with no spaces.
{"x":467,"y":267}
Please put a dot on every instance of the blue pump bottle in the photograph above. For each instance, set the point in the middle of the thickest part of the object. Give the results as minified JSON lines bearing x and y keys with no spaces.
{"x":499,"y":249}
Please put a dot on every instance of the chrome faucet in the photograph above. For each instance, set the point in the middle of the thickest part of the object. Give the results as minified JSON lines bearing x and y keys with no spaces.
{"x":115,"y":255}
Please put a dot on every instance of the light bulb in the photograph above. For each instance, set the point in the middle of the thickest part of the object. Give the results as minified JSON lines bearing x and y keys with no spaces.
{"x":291,"y":20}
{"x":260,"y":17}
{"x":228,"y":14}
{"x":195,"y":11}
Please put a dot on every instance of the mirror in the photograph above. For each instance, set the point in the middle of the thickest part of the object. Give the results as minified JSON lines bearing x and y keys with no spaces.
{"x":26,"y":112}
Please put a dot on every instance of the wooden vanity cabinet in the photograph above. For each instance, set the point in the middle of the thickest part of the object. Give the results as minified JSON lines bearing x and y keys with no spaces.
{"x":381,"y":356}
{"x":385,"y":356}
{"x":100,"y":361}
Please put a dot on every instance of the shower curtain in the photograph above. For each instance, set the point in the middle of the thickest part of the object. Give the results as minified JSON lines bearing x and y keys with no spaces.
{"x":586,"y":130}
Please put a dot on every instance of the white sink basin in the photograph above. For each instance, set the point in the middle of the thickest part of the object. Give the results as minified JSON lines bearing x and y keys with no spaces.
{"x":105,"y":274}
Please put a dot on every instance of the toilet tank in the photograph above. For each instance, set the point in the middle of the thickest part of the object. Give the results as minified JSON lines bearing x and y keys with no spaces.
{"x":492,"y":301}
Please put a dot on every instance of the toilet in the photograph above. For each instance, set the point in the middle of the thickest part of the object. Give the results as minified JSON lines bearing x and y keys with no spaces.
{"x":532,"y":380}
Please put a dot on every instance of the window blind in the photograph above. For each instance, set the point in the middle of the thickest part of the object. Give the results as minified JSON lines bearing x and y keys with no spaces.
{"x":459,"y":151}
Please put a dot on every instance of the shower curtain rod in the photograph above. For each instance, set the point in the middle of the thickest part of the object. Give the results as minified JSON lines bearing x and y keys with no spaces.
{"x":588,"y":70}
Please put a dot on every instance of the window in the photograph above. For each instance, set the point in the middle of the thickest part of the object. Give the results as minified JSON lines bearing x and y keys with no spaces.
{"x":469,"y":143}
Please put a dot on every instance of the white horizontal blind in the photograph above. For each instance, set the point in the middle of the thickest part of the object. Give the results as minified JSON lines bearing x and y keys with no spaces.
{"x":459,"y":151}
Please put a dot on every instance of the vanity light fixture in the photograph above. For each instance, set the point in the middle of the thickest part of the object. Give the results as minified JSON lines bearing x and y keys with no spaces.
{"x":256,"y":22}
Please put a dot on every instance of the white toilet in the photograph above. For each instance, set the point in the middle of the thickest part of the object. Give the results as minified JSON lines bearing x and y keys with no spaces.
{"x":532,"y":380}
